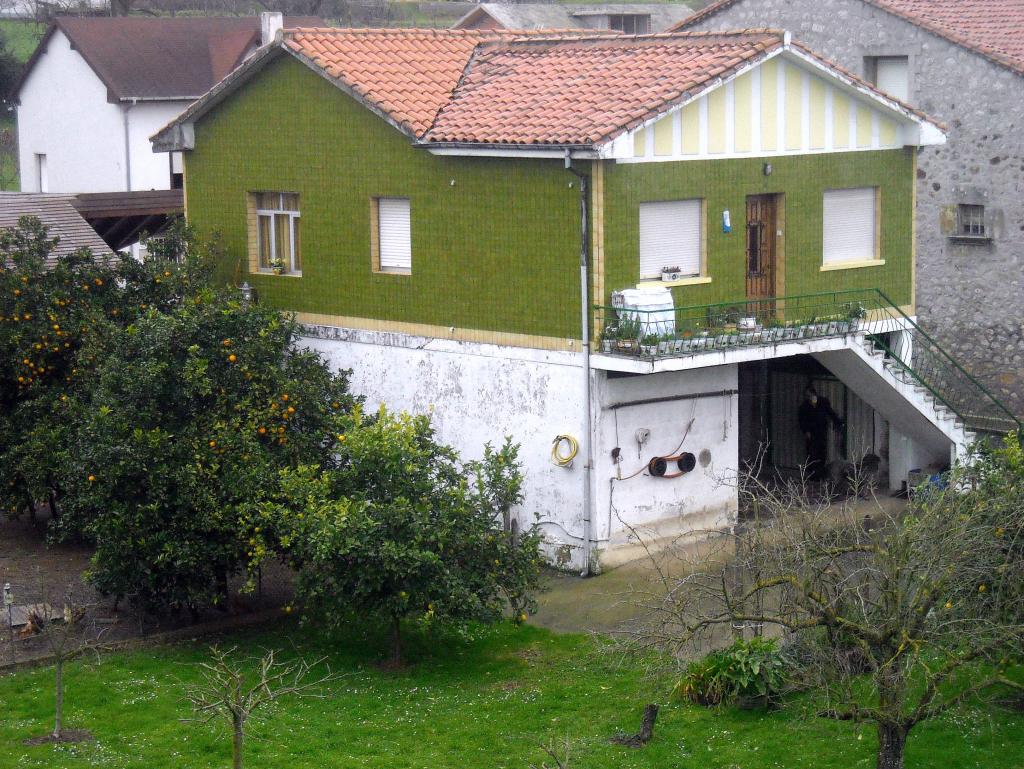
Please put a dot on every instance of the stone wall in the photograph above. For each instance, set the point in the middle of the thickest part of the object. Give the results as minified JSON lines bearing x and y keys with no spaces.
{"x":969,"y":296}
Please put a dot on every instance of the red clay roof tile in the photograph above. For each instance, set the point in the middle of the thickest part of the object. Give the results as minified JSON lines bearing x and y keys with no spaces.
{"x":547,"y":88}
{"x":577,"y":92}
{"x":408,"y":73}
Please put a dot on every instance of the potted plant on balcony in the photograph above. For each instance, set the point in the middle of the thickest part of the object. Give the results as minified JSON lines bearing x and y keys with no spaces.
{"x":627,"y":335}
{"x":857,"y":313}
{"x":671,"y":274}
{"x":277,"y":266}
{"x":649,"y":344}
{"x":609,"y":334}
{"x":667,"y":343}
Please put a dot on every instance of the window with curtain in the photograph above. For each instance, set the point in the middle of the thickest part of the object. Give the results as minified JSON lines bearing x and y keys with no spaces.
{"x":850,"y":225}
{"x":278,"y":231}
{"x":670,"y":236}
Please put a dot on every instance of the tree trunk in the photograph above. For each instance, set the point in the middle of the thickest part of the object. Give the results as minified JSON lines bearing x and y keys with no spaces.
{"x":222,"y":589}
{"x":396,"y":641}
{"x":236,"y":744}
{"x":891,"y":742}
{"x":647,"y":724}
{"x":58,"y":720}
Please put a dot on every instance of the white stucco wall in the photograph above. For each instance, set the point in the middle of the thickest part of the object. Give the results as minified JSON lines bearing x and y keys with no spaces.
{"x":479,"y":393}
{"x":704,"y":498}
{"x":150,"y":170}
{"x":64,"y":114}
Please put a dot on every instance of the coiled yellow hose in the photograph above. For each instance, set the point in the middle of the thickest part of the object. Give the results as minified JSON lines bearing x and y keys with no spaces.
{"x":560,"y":459}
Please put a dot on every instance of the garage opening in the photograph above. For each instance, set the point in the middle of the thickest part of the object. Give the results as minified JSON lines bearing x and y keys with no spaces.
{"x":771,"y":441}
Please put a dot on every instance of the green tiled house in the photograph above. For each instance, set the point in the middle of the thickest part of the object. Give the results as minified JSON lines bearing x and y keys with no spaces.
{"x":630,"y":253}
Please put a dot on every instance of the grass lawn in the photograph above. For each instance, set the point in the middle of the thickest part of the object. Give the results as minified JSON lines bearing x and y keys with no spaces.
{"x":22,"y":36}
{"x":486,"y":700}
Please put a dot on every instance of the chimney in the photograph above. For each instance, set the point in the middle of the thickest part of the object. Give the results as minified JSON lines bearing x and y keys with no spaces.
{"x":271,"y":24}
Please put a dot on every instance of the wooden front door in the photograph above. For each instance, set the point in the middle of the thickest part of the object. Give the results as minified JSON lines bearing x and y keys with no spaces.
{"x":762,"y":219}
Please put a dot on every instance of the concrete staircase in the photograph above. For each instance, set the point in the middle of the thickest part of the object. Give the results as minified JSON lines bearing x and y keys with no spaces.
{"x":893,"y":389}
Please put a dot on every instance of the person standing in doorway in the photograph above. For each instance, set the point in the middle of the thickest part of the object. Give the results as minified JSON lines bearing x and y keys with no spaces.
{"x":814,"y":416}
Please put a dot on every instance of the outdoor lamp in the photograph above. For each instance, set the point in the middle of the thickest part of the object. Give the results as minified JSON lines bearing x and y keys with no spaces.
{"x":246,"y":290}
{"x":8,"y":595}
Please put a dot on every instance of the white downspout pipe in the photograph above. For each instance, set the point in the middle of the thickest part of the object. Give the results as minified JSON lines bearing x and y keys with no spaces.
{"x":125,"y":109}
{"x":587,"y":442}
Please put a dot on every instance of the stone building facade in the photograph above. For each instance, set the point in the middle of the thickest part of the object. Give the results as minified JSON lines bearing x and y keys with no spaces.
{"x":970,"y":290}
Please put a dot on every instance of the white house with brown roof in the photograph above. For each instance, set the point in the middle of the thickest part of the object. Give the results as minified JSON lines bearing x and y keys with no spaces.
{"x":962,"y":61}
{"x":96,"y":88}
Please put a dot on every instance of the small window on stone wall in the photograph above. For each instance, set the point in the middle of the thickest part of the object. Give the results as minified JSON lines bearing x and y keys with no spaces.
{"x":971,"y":221}
{"x":890,"y":74}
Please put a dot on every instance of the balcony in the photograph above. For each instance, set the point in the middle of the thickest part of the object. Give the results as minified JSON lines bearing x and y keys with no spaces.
{"x":700,"y":329}
{"x":675,"y":338}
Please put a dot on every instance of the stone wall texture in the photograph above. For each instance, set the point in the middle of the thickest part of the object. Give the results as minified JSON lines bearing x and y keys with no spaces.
{"x":970,"y":297}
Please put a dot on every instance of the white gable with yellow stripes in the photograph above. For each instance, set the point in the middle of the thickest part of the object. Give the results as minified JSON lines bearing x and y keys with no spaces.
{"x":786,"y":104}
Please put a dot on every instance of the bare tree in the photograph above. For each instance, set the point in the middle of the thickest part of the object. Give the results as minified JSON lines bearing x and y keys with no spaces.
{"x":227,"y":691}
{"x":66,"y":635}
{"x":894,"y":619}
{"x":559,"y":754}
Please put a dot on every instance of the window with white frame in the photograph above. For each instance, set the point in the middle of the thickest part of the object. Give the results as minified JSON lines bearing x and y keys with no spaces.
{"x":277,"y":232}
{"x":42,"y":177}
{"x":671,"y":236}
{"x":393,"y":236}
{"x":890,"y":74}
{"x":850,"y":225}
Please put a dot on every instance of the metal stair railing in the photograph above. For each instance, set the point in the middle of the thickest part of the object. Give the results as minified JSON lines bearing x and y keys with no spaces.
{"x":916,"y":356}
{"x":916,"y":353}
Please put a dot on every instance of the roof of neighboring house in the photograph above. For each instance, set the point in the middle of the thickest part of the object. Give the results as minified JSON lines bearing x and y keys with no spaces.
{"x":58,"y":214}
{"x":585,"y":91}
{"x":159,"y":58}
{"x":993,"y":28}
{"x":559,"y":16}
{"x":512,"y":88}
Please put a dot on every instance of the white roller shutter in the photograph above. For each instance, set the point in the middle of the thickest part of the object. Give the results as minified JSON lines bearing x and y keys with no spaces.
{"x":849,"y":225}
{"x":670,"y":237}
{"x":395,"y":235}
{"x":893,"y":76}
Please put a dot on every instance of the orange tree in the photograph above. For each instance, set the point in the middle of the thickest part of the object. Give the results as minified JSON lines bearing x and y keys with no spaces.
{"x":187,"y":417}
{"x":49,"y":309}
{"x":394,"y":530}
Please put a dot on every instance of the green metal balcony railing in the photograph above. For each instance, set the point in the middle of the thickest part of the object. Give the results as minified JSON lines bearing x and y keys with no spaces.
{"x":911,"y":354}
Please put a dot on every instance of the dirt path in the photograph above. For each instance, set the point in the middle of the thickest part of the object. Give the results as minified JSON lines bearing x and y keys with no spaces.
{"x":603,"y":603}
{"x":39,"y":571}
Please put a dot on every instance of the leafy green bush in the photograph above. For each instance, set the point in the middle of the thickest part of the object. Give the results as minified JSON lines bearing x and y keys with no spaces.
{"x":747,"y":672}
{"x":396,"y":532}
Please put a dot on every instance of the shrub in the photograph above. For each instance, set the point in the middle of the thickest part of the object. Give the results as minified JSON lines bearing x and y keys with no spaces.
{"x":747,"y":672}
{"x":395,"y":531}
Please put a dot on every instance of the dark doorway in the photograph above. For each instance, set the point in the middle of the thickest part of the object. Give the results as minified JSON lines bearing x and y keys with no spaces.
{"x":770,"y":441}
